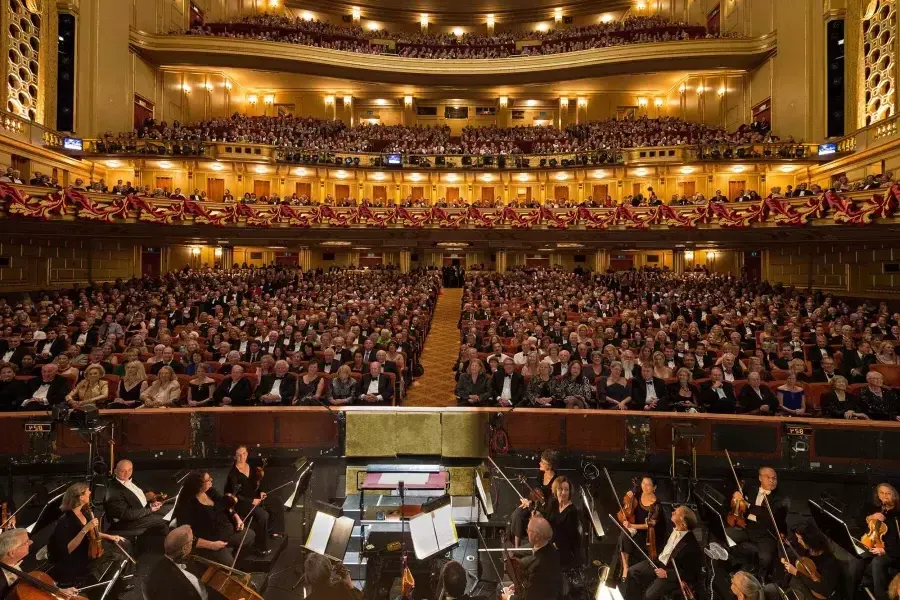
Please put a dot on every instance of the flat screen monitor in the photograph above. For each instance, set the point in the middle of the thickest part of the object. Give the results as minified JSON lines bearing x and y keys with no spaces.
{"x":394,"y":160}
{"x":73,"y":143}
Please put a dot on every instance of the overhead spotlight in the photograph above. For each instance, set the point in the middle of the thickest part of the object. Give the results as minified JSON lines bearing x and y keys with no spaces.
{"x":553,"y":162}
{"x":543,"y":162}
{"x":348,"y":161}
{"x":355,"y":161}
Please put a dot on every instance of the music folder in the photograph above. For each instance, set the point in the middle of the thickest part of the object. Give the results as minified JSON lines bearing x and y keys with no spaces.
{"x":836,"y":529}
{"x":330,"y":533}
{"x":433,"y":530}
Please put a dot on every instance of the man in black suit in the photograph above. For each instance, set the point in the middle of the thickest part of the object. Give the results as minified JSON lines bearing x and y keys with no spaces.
{"x":756,"y":398}
{"x":507,"y":386}
{"x":820,"y":351}
{"x":757,"y":543}
{"x":128,"y":509}
{"x":654,"y":581}
{"x":649,"y":392}
{"x":235,"y":390}
{"x":170,"y":579}
{"x":14,"y":547}
{"x":369,"y":351}
{"x":167,"y":361}
{"x":856,"y":363}
{"x":542,"y":569}
{"x":253,"y":353}
{"x":329,"y":363}
{"x":47,"y":390}
{"x":277,"y":388}
{"x":825,"y":373}
{"x":50,"y":347}
{"x":12,"y":350}
{"x":717,"y":395}
{"x":85,"y":337}
{"x":376,"y":388}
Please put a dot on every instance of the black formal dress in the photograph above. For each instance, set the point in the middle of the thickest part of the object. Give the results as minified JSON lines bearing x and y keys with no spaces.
{"x":212,"y":523}
{"x":76,"y":567}
{"x":268,"y":516}
{"x":520,"y":516}
{"x":566,"y":537}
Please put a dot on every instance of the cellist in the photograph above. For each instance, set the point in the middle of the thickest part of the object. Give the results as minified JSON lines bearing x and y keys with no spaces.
{"x":646,"y":521}
{"x":72,"y":537}
{"x":885,"y":508}
{"x":757,"y":544}
{"x":14,"y":547}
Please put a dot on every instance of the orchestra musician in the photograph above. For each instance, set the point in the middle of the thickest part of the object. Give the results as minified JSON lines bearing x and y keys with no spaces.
{"x":540,"y":573}
{"x":14,"y":547}
{"x":563,"y":518}
{"x":757,"y":545}
{"x":454,"y":582}
{"x":885,"y":509}
{"x":648,"y":581}
{"x":520,"y":516}
{"x":69,"y":545}
{"x":326,"y":582}
{"x":170,"y":579}
{"x":267,"y":513}
{"x":745,"y":586}
{"x":811,"y":584}
{"x":127,"y":506}
{"x":217,"y":527}
{"x":646,"y":512}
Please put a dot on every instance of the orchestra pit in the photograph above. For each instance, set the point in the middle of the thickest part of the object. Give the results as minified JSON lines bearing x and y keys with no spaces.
{"x":445,"y":300}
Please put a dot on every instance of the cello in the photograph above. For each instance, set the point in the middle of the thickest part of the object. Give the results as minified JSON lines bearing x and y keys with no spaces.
{"x":228,"y":581}
{"x":739,"y":506}
{"x":35,"y":585}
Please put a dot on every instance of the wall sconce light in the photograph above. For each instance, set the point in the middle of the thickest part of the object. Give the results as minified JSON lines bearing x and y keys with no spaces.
{"x":261,"y":170}
{"x":270,"y":99}
{"x":682,"y":88}
{"x":564,"y":102}
{"x":113,"y":164}
{"x":561,"y":176}
{"x":582,"y":102}
{"x":787,"y":168}
{"x":252,"y":99}
{"x":378,"y":176}
{"x":208,"y":86}
{"x":195,"y":251}
{"x":373,"y":26}
{"x":451,"y":177}
{"x":522,"y":177}
{"x":490,"y":20}
{"x":487,"y":177}
{"x":348,"y":100}
{"x":641,"y":172}
{"x":458,"y":31}
{"x":354,"y":13}
{"x":273,"y":3}
{"x":164,"y":164}
{"x":415,"y":177}
{"x":186,"y":88}
{"x":721,"y":91}
{"x":301,"y":172}
{"x":218,"y":252}
{"x":329,"y":100}
{"x":407,"y":100}
{"x":688,"y":255}
{"x":642,"y":102}
{"x":599,"y":174}
{"x":687,"y":170}
{"x":542,"y":27}
{"x":607,"y":18}
{"x":640,"y":6}
{"x":738,"y":169}
{"x":657,"y":102}
{"x":341,"y":174}
{"x":711,"y":254}
{"x":558,"y":15}
{"x":227,"y":85}
{"x":307,"y":16}
{"x":700,"y":90}
{"x":503,"y":101}
{"x":423,"y":20}
{"x":216,"y":166}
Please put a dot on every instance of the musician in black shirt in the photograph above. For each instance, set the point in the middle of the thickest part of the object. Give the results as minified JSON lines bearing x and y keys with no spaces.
{"x":267,"y":513}
{"x":812,"y":584}
{"x":563,"y":517}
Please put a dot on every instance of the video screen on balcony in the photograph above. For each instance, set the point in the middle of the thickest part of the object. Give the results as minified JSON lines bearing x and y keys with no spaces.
{"x":394,"y":160}
{"x":456,"y":112}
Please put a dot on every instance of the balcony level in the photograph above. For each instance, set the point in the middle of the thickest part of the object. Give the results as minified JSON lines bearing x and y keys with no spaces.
{"x":694,"y":55}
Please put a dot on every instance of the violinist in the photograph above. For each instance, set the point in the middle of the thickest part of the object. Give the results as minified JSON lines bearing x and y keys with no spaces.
{"x":327,"y":582}
{"x":243,"y":483}
{"x":72,"y":537}
{"x":540,"y":574}
{"x":563,"y":517}
{"x":819,"y":580}
{"x":170,"y":579}
{"x":520,"y":516}
{"x":654,"y":581}
{"x":885,"y":509}
{"x":646,"y":520}
{"x":757,"y":544}
{"x":745,"y":586}
{"x":217,"y":527}
{"x":127,"y":506}
{"x":14,"y":547}
{"x":454,"y":582}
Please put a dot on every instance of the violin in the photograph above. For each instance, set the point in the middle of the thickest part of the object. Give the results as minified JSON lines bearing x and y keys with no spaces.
{"x":4,"y":514}
{"x":739,"y":506}
{"x":155,"y":497}
{"x":95,"y":548}
{"x":513,"y":566}
{"x":874,"y":538}
{"x":535,"y":495}
{"x":628,"y":506}
{"x":651,"y":532}
{"x":35,"y":585}
{"x":805,"y":564}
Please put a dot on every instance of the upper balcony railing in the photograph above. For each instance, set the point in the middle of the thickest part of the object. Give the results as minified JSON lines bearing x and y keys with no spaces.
{"x":143,"y":149}
{"x":25,"y":130}
{"x":696,"y":55}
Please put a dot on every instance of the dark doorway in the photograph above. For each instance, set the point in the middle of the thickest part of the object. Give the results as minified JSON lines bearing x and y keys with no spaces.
{"x":150,"y":262}
{"x":753,"y":265}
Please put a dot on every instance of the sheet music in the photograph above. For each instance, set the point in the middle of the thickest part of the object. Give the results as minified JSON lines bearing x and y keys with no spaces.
{"x":424,"y":538}
{"x":444,"y":528}
{"x":320,"y":532}
{"x":485,"y":497}
{"x":406,"y":478}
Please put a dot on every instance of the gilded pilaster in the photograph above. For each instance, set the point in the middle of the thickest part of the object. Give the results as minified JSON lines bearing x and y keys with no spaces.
{"x":855,"y":116}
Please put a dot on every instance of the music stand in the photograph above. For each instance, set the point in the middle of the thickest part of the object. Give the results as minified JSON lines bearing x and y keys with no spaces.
{"x":713,"y":518}
{"x":588,"y":499}
{"x":836,"y":529}
{"x":300,"y":485}
{"x":689,"y":432}
{"x":483,"y":497}
{"x":329,"y":535}
{"x":433,"y":530}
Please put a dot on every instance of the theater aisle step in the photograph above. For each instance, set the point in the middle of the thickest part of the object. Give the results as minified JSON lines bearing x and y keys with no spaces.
{"x":436,"y":386}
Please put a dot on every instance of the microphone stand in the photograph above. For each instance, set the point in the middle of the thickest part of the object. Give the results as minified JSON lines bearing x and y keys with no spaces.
{"x":339,"y":421}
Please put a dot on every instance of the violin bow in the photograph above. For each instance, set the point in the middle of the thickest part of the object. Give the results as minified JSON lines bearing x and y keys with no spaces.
{"x":619,"y":502}
{"x":241,"y":545}
{"x":502,"y":474}
{"x":631,"y":539}
{"x":775,"y":523}
{"x":250,"y":512}
{"x":12,"y":516}
{"x":681,"y":583}
{"x":737,"y":479}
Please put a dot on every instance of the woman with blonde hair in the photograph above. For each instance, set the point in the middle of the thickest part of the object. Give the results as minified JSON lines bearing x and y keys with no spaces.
{"x":93,"y":389}
{"x":343,"y":387}
{"x":163,"y":392}
{"x":659,"y":366}
{"x":474,"y":386}
{"x":131,"y":386}
{"x":886,"y":354}
{"x":201,"y":387}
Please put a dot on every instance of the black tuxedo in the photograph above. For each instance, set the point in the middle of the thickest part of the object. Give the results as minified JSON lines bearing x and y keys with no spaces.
{"x":643,"y":583}
{"x":816,"y":355}
{"x":126,"y":513}
{"x":757,"y":545}
{"x":252,"y":357}
{"x":543,"y":571}
{"x":287,"y":388}
{"x":17,"y":354}
{"x":715,"y":404}
{"x":819,"y":376}
{"x":750,"y":402}
{"x":269,"y":347}
{"x":852,"y":360}
{"x":175,"y":365}
{"x":167,"y":580}
{"x":57,"y":346}
{"x":344,"y":355}
{"x":385,"y":389}
{"x":59,"y":387}
{"x":90,"y":340}
{"x":557,"y":369}
{"x":639,"y":393}
{"x":240,"y":395}
{"x":333,"y":366}
{"x":516,"y":387}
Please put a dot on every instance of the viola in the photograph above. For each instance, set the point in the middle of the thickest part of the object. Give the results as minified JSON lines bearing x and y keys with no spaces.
{"x":628,"y":506}
{"x":259,"y":472}
{"x":874,"y":538}
{"x":651,"y":532}
{"x":739,"y":506}
{"x":95,"y":548}
{"x":4,"y":514}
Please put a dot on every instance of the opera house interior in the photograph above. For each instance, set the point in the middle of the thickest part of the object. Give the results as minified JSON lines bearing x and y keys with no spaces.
{"x":639,"y":260}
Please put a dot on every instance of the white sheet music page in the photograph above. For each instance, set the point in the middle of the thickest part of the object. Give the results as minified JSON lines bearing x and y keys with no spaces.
{"x":444,"y":528}
{"x":320,"y":532}
{"x":424,"y":538}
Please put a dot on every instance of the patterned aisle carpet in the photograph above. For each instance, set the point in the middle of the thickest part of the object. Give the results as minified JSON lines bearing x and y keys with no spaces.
{"x":436,"y":386}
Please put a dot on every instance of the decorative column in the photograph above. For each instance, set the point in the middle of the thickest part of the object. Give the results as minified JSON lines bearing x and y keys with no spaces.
{"x":404,"y":261}
{"x":678,"y":261}
{"x":304,"y":260}
{"x":601,"y":261}
{"x":501,"y":261}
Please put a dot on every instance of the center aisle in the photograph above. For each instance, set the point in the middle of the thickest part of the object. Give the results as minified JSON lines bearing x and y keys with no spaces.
{"x":436,"y":386}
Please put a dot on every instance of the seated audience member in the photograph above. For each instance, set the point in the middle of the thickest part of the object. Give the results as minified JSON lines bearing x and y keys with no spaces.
{"x":541,"y":390}
{"x":279,"y":387}
{"x":683,"y":394}
{"x":201,"y":387}
{"x":649,"y":392}
{"x":574,"y":390}
{"x":311,"y":386}
{"x":473,"y":387}
{"x":329,"y":364}
{"x":614,"y":391}
{"x":130,"y":386}
{"x":840,"y":403}
{"x":376,"y":388}
{"x":791,"y":396}
{"x":826,"y":371}
{"x":45,"y":391}
{"x":756,"y":398}
{"x":856,"y":363}
{"x":880,"y":402}
{"x":235,"y":390}
{"x":508,"y":386}
{"x":164,"y":392}
{"x":343,"y":389}
{"x":65,"y":367}
{"x":90,"y":390}
{"x":717,"y":395}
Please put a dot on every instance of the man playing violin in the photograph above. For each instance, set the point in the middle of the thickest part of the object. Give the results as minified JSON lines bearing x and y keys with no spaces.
{"x":540,"y":574}
{"x":129,"y":510}
{"x":14,"y":547}
{"x":649,"y":581}
{"x":811,"y":582}
{"x":757,"y":545}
